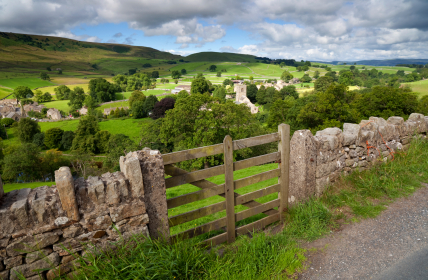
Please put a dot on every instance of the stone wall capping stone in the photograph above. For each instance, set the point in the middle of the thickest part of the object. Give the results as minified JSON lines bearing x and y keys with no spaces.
{"x":65,"y":185}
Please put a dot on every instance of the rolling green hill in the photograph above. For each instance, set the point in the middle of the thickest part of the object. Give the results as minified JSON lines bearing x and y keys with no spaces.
{"x":216,"y":56}
{"x":23,"y":55}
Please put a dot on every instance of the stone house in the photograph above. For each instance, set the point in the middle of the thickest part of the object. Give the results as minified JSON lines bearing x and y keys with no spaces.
{"x":83,"y":110}
{"x":5,"y":110}
{"x":34,"y":107}
{"x":14,"y":116}
{"x":54,"y":114}
{"x":241,"y":97}
{"x":12,"y":102}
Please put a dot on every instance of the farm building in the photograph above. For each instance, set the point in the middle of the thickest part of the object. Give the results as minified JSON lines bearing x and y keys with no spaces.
{"x":83,"y":110}
{"x":180,"y":88}
{"x":54,"y":114}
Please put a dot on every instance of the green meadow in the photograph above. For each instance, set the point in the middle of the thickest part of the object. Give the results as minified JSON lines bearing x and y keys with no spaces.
{"x":28,"y":82}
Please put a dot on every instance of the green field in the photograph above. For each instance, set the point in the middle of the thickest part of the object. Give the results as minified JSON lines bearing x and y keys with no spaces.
{"x":420,"y":87}
{"x":5,"y":92}
{"x":17,"y":186}
{"x":29,"y":82}
{"x":58,"y":104}
{"x":51,"y":89}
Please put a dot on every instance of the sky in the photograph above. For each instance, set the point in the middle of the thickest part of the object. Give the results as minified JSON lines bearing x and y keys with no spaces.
{"x":316,"y":30}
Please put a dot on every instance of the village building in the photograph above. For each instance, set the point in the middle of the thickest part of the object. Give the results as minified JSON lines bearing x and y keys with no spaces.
{"x":34,"y":107}
{"x":241,"y":98}
{"x":83,"y":110}
{"x":180,"y":88}
{"x":12,"y":102}
{"x":14,"y":116}
{"x":5,"y":110}
{"x":53,"y":114}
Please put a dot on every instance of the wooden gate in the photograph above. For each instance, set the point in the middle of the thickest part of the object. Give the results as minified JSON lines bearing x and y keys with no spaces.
{"x":226,"y":190}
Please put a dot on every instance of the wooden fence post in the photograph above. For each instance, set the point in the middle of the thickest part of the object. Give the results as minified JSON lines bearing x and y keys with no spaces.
{"x":283,"y":179}
{"x":229,"y":188}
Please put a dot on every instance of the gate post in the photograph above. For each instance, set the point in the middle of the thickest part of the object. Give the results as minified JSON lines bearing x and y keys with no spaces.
{"x":229,"y":188}
{"x":283,"y":179}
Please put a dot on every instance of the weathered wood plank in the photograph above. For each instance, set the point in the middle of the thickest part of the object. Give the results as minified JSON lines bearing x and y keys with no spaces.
{"x":193,"y":176}
{"x":242,"y":164}
{"x":228,"y":189}
{"x":175,"y":171}
{"x":255,"y":141}
{"x":195,"y":214}
{"x":283,"y":180}
{"x":257,"y":178}
{"x":257,"y":194}
{"x":194,"y":196}
{"x":260,"y":224}
{"x":192,"y":154}
{"x":256,"y":210}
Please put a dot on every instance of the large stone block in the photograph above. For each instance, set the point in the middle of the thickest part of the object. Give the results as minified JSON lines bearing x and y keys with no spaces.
{"x":303,"y":158}
{"x":123,"y":211}
{"x":421,"y":124}
{"x":326,"y":169}
{"x":131,"y":168}
{"x":65,"y":185}
{"x":350,"y":133}
{"x":38,"y":255}
{"x":4,"y":275}
{"x":29,"y":244}
{"x":19,"y":209}
{"x":153,"y":172}
{"x":96,"y":190}
{"x":27,"y":270}
{"x":13,"y":261}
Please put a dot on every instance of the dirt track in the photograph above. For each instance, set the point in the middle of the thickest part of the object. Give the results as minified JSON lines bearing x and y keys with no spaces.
{"x":374,"y":246}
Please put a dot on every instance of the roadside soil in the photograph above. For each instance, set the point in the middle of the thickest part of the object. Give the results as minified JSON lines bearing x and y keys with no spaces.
{"x":363,"y":250}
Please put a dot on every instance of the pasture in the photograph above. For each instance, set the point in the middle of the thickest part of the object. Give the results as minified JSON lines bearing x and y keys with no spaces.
{"x":29,"y":82}
{"x":420,"y":87}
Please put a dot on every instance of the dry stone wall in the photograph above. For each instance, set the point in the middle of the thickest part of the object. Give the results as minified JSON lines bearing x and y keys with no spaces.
{"x":316,"y":161}
{"x":48,"y":227}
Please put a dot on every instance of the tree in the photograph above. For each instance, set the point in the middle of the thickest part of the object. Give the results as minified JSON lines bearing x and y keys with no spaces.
{"x":44,"y":76}
{"x":118,"y":145}
{"x":23,"y":162}
{"x":278,"y":112}
{"x":346,"y":78}
{"x":39,"y":140}
{"x":213,"y":68}
{"x":317,"y":74}
{"x":306,"y":78}
{"x":90,"y":102}
{"x":352,"y":68}
{"x":183,"y":71}
{"x":103,"y":91}
{"x":187,"y":126}
{"x":84,"y":136}
{"x":161,"y":107}
{"x":289,"y":91}
{"x":199,"y":85}
{"x":150,"y":103}
{"x":261,"y":95}
{"x":147,"y":65}
{"x":77,"y":98}
{"x":136,"y":95}
{"x":220,"y":93}
{"x":227,"y":82}
{"x":282,"y":64}
{"x":67,"y":140}
{"x":137,"y":110}
{"x":48,"y":68}
{"x":62,"y":92}
{"x":22,"y":92}
{"x":59,"y":72}
{"x":423,"y":105}
{"x":7,"y":122}
{"x":218,"y":74}
{"x":322,"y":83}
{"x":53,"y":138}
{"x":252,"y":93}
{"x":132,"y":71}
{"x":42,"y":97}
{"x":102,"y":137}
{"x":176,"y":81}
{"x":176,"y":74}
{"x":26,"y":129}
{"x":155,"y":74}
{"x":286,"y":76}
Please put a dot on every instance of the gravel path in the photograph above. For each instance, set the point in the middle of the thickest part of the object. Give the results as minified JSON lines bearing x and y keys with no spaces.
{"x":375,"y":247}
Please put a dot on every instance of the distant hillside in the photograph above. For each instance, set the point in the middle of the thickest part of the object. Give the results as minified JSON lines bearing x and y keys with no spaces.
{"x":216,"y":56}
{"x":22,"y":52}
{"x":388,"y":62}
